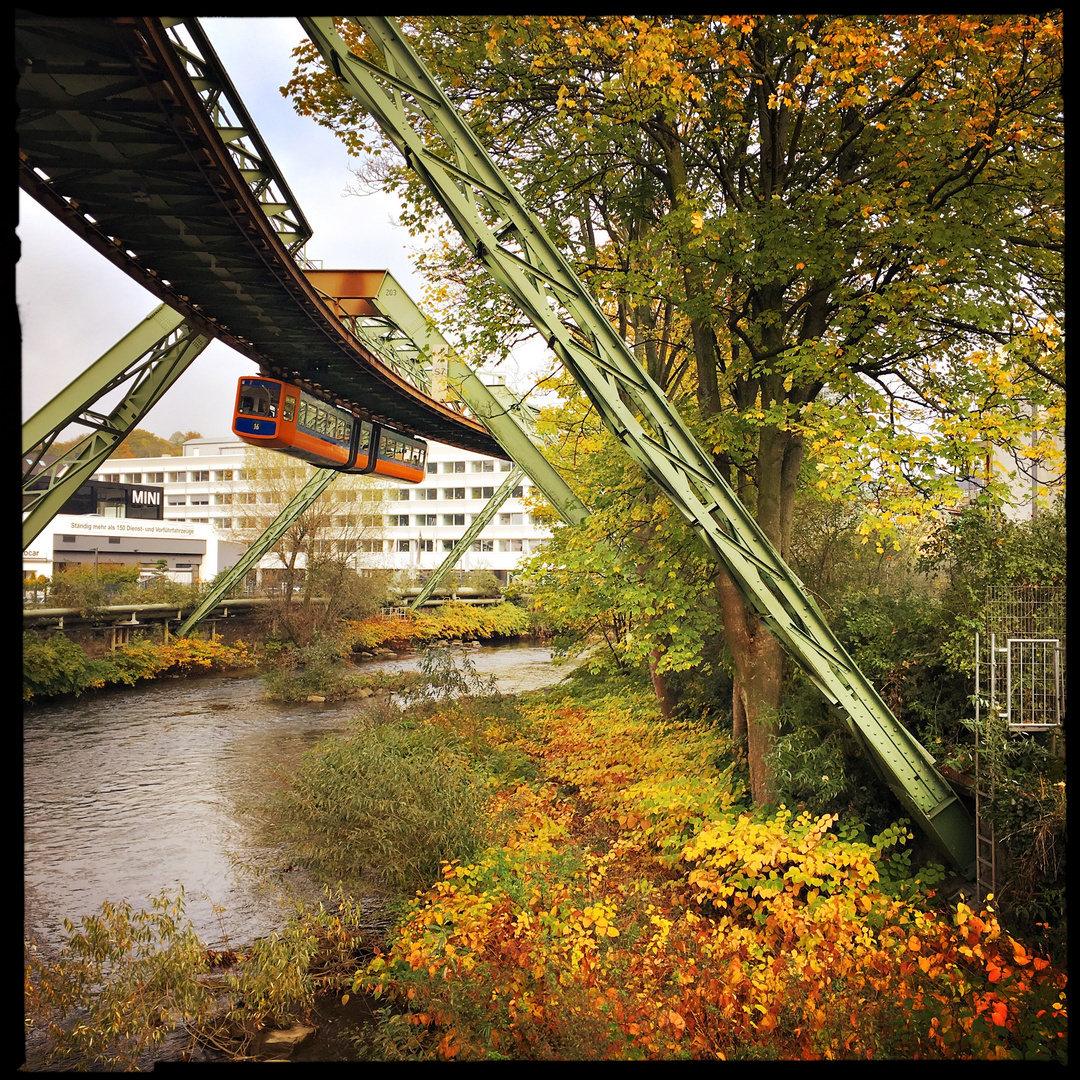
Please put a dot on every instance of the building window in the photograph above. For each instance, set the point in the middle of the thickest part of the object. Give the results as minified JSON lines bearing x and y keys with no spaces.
{"x":178,"y":478}
{"x":511,"y":519}
{"x":483,"y":545}
{"x":176,"y":500}
{"x":448,"y":545}
{"x":225,"y":474}
{"x":483,"y":466}
{"x":426,"y":545}
{"x":402,"y":545}
{"x":400,"y":494}
{"x":395,"y":520}
{"x":432,"y":467}
{"x":453,"y":493}
{"x":371,"y":545}
{"x":426,"y":519}
{"x":203,"y":476}
{"x":202,"y":499}
{"x":453,"y":519}
{"x":483,"y":492}
{"x":504,"y":466}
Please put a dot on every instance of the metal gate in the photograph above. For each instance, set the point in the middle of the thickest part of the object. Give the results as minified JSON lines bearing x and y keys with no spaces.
{"x":1020,"y":680}
{"x":1026,"y":681}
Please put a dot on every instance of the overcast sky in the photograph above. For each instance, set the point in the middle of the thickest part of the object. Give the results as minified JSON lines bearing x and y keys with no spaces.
{"x":73,"y":304}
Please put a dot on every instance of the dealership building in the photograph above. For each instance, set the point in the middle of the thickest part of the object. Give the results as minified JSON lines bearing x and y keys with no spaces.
{"x":187,"y":552}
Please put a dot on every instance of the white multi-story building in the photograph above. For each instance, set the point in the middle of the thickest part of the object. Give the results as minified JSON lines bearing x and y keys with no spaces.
{"x":413,"y":528}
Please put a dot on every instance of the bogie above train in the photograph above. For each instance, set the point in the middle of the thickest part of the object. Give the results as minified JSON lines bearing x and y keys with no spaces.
{"x":280,"y":416}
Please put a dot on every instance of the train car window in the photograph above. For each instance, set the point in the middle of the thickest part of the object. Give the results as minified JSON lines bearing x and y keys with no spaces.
{"x":258,"y":400}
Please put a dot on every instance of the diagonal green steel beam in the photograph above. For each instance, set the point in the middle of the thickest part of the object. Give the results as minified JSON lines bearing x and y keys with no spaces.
{"x":507,"y":421}
{"x":470,"y":534}
{"x":151,"y":357}
{"x":490,"y":216}
{"x":312,"y":489}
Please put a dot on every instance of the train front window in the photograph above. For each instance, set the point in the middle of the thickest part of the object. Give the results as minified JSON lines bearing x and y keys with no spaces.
{"x":259,"y":399}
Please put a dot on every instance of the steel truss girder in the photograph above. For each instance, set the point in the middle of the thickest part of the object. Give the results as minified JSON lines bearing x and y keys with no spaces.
{"x":312,"y":489}
{"x":152,"y":357}
{"x":238,"y":133}
{"x":490,"y":214}
{"x":504,"y":416}
{"x":470,"y":534}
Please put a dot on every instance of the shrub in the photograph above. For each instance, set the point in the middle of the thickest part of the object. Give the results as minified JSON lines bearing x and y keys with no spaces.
{"x":59,"y":666}
{"x":634,"y":910}
{"x":446,"y":622}
{"x":390,"y":800}
{"x":126,"y":980}
{"x":294,"y":674}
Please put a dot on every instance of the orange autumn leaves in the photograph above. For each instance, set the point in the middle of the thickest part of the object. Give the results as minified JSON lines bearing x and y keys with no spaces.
{"x":624,"y":917}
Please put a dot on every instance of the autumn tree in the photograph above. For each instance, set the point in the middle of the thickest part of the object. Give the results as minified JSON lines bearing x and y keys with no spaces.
{"x":835,"y":242}
{"x":318,"y":557}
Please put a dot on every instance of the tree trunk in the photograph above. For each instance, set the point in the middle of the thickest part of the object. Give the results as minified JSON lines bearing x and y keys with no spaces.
{"x":665,"y":695}
{"x":759,"y":667}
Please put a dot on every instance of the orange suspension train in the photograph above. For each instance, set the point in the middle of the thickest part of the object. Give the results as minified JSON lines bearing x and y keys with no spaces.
{"x":280,"y":416}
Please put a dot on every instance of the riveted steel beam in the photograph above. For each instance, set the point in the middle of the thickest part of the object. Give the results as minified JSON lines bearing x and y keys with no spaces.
{"x":508,"y":420}
{"x":470,"y":534}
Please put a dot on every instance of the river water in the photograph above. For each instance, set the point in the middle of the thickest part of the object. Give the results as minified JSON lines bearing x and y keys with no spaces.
{"x":130,"y":792}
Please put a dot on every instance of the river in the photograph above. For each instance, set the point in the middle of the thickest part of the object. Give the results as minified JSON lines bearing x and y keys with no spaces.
{"x":129,"y":792}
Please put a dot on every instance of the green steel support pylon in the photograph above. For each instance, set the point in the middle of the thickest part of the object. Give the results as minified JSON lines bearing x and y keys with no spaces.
{"x":470,"y":534}
{"x":315,"y":486}
{"x":153,"y":356}
{"x":512,"y":245}
{"x":507,"y":420}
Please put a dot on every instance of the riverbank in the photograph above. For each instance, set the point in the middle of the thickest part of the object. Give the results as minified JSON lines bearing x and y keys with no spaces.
{"x":630,"y":905}
{"x":57,"y":666}
{"x":162,"y":784}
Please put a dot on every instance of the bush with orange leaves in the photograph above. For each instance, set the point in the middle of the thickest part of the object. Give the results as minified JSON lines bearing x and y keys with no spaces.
{"x":635,"y":909}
